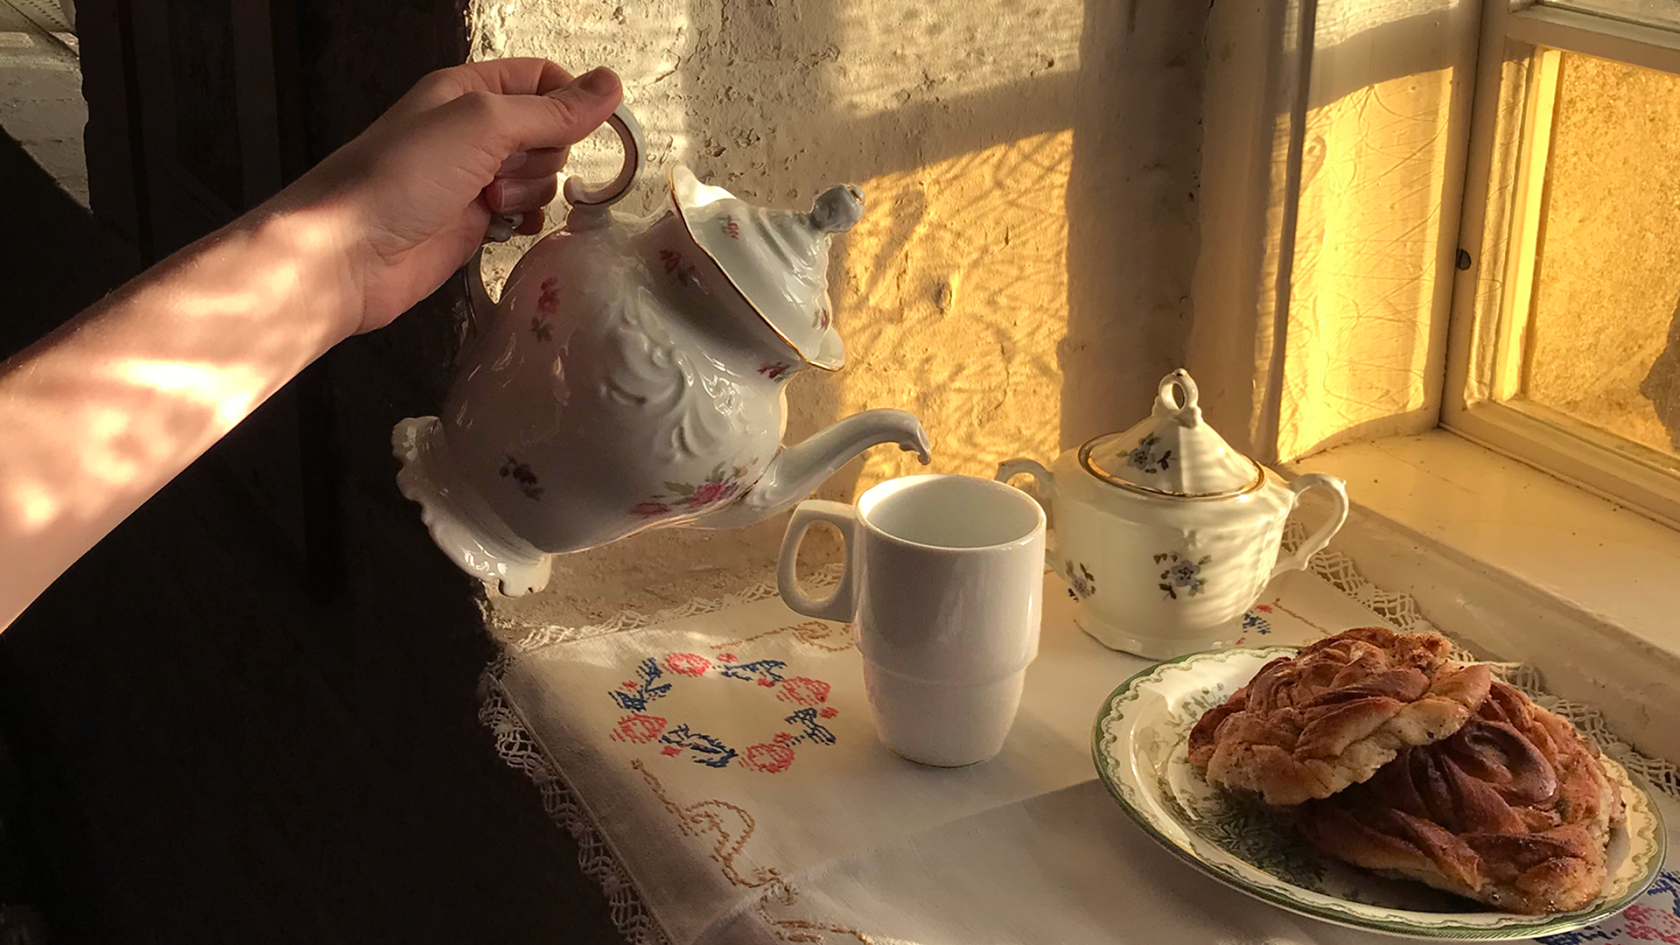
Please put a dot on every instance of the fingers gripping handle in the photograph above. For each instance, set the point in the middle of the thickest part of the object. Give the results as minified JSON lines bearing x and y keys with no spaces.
{"x":842,"y":604}
{"x":1318,"y":539}
{"x":580,"y":194}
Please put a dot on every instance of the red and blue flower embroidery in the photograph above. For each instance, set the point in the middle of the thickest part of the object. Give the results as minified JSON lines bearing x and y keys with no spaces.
{"x":1252,"y":620}
{"x":651,"y":684}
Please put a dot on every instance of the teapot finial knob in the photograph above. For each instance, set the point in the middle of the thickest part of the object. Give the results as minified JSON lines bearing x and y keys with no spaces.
{"x":837,"y":209}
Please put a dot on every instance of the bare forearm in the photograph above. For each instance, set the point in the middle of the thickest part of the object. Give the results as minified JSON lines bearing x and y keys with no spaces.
{"x":95,"y":418}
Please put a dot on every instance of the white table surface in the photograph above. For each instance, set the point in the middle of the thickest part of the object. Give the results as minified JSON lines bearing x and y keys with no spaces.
{"x":849,"y":843}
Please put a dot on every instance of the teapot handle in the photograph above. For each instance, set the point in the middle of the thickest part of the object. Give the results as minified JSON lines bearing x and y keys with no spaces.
{"x":579,"y":194}
{"x":1317,"y":540}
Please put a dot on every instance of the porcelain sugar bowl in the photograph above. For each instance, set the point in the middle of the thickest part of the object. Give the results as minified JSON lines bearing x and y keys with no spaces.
{"x":632,"y":376}
{"x":1165,"y":533}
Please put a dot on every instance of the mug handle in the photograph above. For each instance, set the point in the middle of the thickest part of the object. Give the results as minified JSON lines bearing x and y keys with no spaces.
{"x":1009,"y":469}
{"x":1317,"y":540}
{"x":842,"y":604}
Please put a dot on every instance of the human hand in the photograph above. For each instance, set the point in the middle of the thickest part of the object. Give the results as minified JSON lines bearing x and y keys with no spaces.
{"x":407,"y":202}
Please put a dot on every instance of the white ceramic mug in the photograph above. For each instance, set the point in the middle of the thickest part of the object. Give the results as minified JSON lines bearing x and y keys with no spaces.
{"x":944,"y":582}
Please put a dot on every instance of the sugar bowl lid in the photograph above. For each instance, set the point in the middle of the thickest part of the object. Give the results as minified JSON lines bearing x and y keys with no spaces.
{"x":1173,"y":452}
{"x":777,"y":259}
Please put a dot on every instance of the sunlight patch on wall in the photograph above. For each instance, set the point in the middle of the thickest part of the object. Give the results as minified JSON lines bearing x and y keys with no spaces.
{"x":953,"y":301}
{"x":1366,"y":242}
{"x":960,"y":47}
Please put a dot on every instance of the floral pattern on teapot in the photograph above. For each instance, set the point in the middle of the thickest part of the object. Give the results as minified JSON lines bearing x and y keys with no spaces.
{"x":721,"y":485}
{"x":548,"y":302}
{"x":523,"y":477}
{"x":678,"y":265}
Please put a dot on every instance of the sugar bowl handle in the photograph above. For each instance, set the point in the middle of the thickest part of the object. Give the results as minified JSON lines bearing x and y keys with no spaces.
{"x":1009,"y":469}
{"x":1318,"y":539}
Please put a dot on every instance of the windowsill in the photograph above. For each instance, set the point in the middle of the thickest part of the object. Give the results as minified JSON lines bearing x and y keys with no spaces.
{"x":1523,"y":566}
{"x":1561,"y":540}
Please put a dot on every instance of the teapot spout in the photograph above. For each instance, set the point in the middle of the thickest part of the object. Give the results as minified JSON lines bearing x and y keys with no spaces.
{"x":797,"y":471}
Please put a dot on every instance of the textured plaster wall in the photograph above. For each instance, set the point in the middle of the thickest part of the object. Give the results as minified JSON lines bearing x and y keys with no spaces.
{"x":1021,"y":277}
{"x":1320,"y":298}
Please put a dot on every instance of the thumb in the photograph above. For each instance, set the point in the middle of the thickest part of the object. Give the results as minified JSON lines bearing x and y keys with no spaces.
{"x":560,"y":118}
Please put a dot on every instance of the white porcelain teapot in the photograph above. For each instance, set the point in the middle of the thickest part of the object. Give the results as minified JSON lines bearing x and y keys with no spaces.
{"x":1164,"y":533}
{"x":631,"y":377}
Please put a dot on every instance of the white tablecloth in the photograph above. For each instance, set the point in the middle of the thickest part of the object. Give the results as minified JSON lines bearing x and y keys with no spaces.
{"x":723,"y":770}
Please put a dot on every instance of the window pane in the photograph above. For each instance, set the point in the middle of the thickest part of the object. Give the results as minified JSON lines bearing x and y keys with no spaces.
{"x":1604,"y":332}
{"x":1660,"y":13}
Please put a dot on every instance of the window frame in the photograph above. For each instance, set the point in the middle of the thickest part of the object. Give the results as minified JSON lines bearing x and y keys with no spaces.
{"x":1476,"y":381}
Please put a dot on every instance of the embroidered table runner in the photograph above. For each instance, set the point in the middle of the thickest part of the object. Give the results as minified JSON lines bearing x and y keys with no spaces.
{"x":721,"y":771}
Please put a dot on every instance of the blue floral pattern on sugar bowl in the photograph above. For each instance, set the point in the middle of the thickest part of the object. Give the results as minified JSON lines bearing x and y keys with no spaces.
{"x":1149,"y":456}
{"x":1182,"y":574}
{"x":1081,"y":582}
{"x":1185,"y":530}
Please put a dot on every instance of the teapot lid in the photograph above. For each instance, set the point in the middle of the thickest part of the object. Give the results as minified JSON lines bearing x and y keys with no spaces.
{"x":1172,"y":452}
{"x":777,"y":259}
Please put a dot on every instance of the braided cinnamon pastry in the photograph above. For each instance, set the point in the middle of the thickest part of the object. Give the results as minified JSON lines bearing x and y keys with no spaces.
{"x":1514,"y":810}
{"x":1309,"y":725}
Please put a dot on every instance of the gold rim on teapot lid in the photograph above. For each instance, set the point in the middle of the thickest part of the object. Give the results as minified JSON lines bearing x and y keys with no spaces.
{"x":776,"y":260}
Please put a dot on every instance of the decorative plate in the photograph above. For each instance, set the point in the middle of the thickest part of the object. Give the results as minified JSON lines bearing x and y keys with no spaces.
{"x":1140,"y":746}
